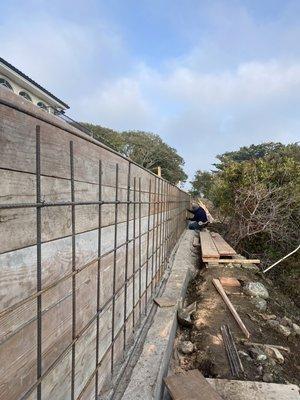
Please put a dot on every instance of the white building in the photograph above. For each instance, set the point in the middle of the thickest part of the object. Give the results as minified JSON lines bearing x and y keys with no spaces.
{"x":24,"y":86}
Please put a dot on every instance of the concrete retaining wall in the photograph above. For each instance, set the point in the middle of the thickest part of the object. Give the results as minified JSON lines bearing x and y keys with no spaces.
{"x":85,"y":237}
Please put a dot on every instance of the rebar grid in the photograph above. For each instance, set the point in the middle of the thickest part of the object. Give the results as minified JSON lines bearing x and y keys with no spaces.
{"x":164,"y":226}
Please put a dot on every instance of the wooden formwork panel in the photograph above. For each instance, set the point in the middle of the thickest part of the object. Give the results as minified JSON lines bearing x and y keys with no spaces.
{"x":130,"y":246}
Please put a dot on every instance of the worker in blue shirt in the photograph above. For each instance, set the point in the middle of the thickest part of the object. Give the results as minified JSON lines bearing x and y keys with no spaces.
{"x":199,"y":219}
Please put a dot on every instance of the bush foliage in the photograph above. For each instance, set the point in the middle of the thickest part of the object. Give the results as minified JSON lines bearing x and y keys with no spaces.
{"x":257,"y":188}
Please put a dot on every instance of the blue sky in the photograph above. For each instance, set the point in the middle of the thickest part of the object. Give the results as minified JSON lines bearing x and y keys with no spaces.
{"x":208,"y":76}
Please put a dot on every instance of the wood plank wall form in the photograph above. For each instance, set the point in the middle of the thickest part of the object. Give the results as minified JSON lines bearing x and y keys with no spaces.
{"x":85,"y":236}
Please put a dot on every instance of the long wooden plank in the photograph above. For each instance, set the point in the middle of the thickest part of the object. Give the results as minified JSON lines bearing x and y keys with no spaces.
{"x":222,"y":246}
{"x":231,"y":261}
{"x":222,"y":293}
{"x":208,"y":247}
{"x":190,"y":385}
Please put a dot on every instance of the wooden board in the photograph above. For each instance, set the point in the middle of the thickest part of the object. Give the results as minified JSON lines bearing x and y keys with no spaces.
{"x":231,"y":261}
{"x":208,"y":247}
{"x":190,"y":385}
{"x":222,"y":246}
{"x":229,"y":282}
{"x":222,"y":293}
{"x":246,"y":390}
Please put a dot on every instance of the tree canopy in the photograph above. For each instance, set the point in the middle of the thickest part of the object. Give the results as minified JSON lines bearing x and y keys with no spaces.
{"x":257,"y":188}
{"x":144,"y":148}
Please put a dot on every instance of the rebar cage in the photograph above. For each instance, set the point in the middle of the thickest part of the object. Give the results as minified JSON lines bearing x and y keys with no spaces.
{"x":87,"y":235}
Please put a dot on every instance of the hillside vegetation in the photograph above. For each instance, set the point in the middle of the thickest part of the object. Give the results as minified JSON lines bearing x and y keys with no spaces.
{"x":255,"y":192}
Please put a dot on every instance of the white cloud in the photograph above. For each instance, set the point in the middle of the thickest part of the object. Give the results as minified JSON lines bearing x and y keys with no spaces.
{"x":238,"y":84}
{"x":120,"y":105}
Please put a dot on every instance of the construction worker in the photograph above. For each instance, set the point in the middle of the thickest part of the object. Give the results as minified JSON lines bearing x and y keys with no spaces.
{"x":199,"y":219}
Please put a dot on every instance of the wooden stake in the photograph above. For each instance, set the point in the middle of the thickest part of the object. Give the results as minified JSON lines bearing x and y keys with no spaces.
{"x":222,"y":293}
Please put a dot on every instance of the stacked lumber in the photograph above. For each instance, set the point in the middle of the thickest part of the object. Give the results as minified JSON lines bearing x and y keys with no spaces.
{"x":214,"y":248}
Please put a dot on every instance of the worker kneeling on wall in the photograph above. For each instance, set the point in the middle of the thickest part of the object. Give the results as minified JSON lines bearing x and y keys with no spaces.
{"x":199,"y":219}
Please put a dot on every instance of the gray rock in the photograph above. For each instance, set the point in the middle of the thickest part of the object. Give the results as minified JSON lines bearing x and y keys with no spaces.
{"x":284,"y":330}
{"x":260,"y":369}
{"x":257,"y":354}
{"x":267,"y":377}
{"x":259,"y":303}
{"x":243,"y":353}
{"x":285,"y":321}
{"x":273,"y":323}
{"x":186,"y":347}
{"x":184,"y":315}
{"x":256,"y":289}
{"x":296,"y":329}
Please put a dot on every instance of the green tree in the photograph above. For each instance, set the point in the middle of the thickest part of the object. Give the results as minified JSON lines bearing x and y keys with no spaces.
{"x":202,"y":183}
{"x":261,"y":197}
{"x":107,"y":136}
{"x":249,"y":153}
{"x":149,"y":150}
{"x":144,"y":148}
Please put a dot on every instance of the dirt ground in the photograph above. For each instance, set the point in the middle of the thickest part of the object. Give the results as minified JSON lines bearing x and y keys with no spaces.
{"x":208,"y":353}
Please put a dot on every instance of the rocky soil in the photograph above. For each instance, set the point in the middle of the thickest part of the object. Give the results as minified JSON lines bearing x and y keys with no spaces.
{"x":271,"y":317}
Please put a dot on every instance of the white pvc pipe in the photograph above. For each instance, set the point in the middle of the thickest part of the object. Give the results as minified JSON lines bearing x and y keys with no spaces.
{"x":277,"y":262}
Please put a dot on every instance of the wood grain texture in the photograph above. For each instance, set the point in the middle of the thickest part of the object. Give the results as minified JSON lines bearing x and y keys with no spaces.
{"x":18,"y":253}
{"x":231,"y":261}
{"x":222,"y":246}
{"x":190,"y":385}
{"x":208,"y":247}
{"x":230,"y":306}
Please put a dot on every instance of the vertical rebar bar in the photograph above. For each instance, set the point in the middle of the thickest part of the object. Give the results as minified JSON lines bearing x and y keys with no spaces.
{"x":114,"y":270}
{"x":133,"y":253}
{"x":160,"y":232}
{"x":126,"y":254}
{"x":157,"y":234}
{"x":164,"y":228}
{"x":169,"y":221}
{"x":73,"y":231}
{"x":98,"y":274}
{"x":140,"y":252}
{"x":147,"y":247}
{"x":153,"y":236}
{"x":39,"y":260}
